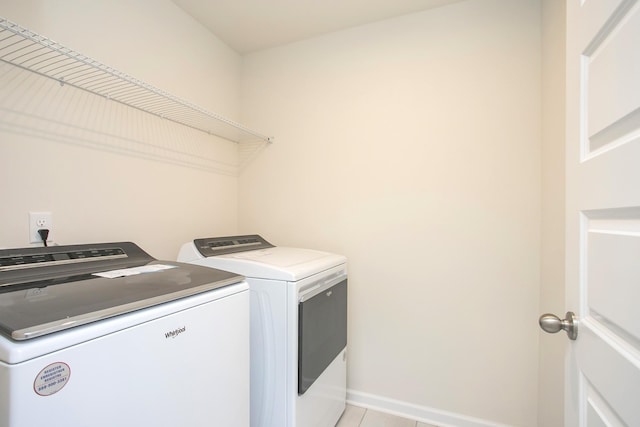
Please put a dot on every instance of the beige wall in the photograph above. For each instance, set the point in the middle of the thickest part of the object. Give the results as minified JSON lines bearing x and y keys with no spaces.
{"x":412,"y":146}
{"x":551,"y":397}
{"x":106,"y":172}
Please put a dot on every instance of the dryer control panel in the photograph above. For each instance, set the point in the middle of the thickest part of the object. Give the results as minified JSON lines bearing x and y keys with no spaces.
{"x":213,"y":246}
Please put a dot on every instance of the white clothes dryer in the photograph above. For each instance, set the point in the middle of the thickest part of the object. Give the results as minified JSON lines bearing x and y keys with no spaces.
{"x":104,"y":335}
{"x":298,"y":327}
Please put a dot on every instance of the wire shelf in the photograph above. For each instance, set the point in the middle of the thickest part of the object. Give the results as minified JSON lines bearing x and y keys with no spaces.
{"x":35,"y":53}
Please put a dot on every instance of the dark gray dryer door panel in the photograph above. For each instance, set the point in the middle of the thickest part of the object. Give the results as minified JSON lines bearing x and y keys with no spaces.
{"x":322,"y":332}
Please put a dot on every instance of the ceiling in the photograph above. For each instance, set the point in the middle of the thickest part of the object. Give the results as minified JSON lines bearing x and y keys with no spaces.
{"x":251,"y":25}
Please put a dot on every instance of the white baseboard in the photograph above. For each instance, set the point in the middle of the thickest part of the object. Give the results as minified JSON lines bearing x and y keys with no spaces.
{"x":415,"y":412}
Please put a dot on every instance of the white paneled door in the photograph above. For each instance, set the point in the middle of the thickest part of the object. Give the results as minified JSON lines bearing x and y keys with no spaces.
{"x":603,"y":212}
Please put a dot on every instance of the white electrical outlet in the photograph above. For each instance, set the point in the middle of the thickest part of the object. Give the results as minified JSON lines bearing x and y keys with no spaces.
{"x":38,"y":220}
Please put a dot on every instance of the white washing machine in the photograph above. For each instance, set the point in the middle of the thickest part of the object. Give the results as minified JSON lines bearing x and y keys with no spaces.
{"x":298,"y":327}
{"x":104,"y":335}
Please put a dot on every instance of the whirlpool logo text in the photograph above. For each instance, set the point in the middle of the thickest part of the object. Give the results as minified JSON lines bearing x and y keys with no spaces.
{"x":175,"y":333}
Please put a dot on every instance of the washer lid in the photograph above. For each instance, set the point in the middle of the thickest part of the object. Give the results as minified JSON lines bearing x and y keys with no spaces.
{"x":276,"y":263}
{"x":46,"y":290}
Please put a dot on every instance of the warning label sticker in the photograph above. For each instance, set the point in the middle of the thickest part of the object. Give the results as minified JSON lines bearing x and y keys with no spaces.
{"x":52,"y":379}
{"x":134,"y":270}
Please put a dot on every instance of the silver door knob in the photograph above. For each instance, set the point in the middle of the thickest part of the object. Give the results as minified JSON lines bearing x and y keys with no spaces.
{"x":552,"y":324}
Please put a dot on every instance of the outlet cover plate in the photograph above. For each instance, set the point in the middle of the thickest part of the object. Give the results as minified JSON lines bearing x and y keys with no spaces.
{"x":38,"y":220}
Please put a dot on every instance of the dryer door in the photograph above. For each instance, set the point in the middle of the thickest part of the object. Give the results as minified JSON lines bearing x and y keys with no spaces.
{"x":322,"y":331}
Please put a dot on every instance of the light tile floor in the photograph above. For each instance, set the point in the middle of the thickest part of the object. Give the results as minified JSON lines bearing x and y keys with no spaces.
{"x":355,"y":416}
